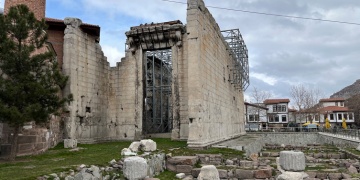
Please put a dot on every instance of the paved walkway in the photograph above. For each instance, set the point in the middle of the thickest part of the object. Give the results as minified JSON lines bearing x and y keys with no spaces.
{"x":239,"y":143}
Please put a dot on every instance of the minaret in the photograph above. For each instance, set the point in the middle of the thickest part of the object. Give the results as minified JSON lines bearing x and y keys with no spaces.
{"x":36,"y":6}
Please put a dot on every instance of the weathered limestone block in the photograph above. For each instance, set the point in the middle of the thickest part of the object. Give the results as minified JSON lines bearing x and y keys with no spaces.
{"x":135,"y":168}
{"x":70,"y":143}
{"x":292,"y":161}
{"x":184,"y":169}
{"x":322,"y":175}
{"x":210,"y":159}
{"x":180,"y":160}
{"x":195,"y":172}
{"x":180,"y":175}
{"x":73,"y":22}
{"x":358,"y":147}
{"x":312,"y":174}
{"x":89,"y":173}
{"x":148,"y":145}
{"x":135,"y":146}
{"x":335,"y":176}
{"x":244,"y":174}
{"x":246,"y":164}
{"x":223,"y":174}
{"x":352,"y":169}
{"x":156,"y":164}
{"x":291,"y":176}
{"x":208,"y":172}
{"x":263,"y":173}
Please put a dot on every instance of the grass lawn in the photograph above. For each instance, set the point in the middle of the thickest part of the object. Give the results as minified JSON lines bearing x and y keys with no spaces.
{"x":58,"y":159}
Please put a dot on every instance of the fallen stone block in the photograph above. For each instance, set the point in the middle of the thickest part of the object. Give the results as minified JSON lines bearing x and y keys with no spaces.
{"x":148,"y":145}
{"x":208,"y":172}
{"x":292,"y":161}
{"x":180,"y":175}
{"x":223,"y":174}
{"x":195,"y":172}
{"x":135,"y":168}
{"x":335,"y":176}
{"x":244,"y":174}
{"x":263,"y":173}
{"x":322,"y":175}
{"x":291,"y":176}
{"x":312,"y":174}
{"x":135,"y":146}
{"x":184,"y":169}
{"x":70,"y":143}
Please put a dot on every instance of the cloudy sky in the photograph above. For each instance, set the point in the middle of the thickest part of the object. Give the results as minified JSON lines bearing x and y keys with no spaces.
{"x":282,"y":51}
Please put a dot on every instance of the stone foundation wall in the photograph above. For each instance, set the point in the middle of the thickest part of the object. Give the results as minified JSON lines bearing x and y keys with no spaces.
{"x":33,"y":139}
{"x":216,"y":107}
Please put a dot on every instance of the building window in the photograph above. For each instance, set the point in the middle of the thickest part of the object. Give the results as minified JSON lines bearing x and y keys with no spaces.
{"x":345,"y":116}
{"x":271,"y":118}
{"x":253,"y":117}
{"x":317,"y":117}
{"x":331,"y":116}
{"x":283,"y":108}
{"x":351,"y":116}
{"x":341,"y":103}
{"x":336,"y":103}
{"x":283,"y":118}
{"x":274,"y":108}
{"x":339,"y":116}
{"x":309,"y":118}
{"x":276,"y":118}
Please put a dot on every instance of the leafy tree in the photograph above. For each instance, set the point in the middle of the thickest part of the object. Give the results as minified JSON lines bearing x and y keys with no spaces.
{"x":30,"y":80}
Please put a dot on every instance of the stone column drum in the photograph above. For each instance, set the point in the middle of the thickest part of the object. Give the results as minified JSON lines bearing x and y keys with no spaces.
{"x":292,"y":161}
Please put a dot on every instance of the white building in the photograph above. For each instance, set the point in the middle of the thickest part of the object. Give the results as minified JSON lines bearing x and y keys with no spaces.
{"x":255,"y":115}
{"x":278,"y":112}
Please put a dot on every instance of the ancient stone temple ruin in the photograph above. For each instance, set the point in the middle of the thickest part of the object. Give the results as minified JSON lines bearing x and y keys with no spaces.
{"x":183,"y":80}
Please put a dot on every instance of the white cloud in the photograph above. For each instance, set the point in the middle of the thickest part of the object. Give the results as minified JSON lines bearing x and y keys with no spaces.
{"x":113,"y":54}
{"x":265,"y":78}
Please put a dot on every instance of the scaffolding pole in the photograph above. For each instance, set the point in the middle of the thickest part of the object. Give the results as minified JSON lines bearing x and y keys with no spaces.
{"x":240,"y":69}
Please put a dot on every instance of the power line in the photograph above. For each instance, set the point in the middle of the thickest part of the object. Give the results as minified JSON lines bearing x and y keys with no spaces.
{"x":270,"y":14}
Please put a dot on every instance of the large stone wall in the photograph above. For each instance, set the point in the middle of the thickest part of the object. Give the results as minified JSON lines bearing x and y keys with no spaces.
{"x":109,"y":101}
{"x":88,"y":72}
{"x":215,"y":106}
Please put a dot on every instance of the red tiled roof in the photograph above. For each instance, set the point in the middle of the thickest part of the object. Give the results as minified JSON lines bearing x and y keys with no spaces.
{"x":332,"y":100}
{"x":53,"y":20}
{"x":334,"y":109}
{"x":89,"y":28}
{"x":275,"y":101}
{"x":292,"y":110}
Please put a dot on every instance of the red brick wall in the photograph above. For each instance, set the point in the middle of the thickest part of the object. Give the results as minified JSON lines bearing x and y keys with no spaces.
{"x":56,"y":38}
{"x":36,"y":6}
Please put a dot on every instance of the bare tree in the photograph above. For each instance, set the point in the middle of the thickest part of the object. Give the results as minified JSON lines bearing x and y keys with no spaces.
{"x":259,"y":96}
{"x":305,"y":98}
{"x":354,"y":104}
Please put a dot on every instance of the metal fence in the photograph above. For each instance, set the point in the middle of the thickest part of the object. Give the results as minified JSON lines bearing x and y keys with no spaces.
{"x":339,"y":132}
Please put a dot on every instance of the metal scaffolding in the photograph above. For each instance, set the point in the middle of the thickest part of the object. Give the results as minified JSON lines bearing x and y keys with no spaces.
{"x":240,"y":68}
{"x":158,"y":102}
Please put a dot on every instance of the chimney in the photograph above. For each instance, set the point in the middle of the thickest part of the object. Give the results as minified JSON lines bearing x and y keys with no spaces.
{"x":36,"y":6}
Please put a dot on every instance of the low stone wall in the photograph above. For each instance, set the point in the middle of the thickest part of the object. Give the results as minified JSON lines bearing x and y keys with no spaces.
{"x":341,"y":141}
{"x":293,"y":139}
{"x":299,"y":139}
